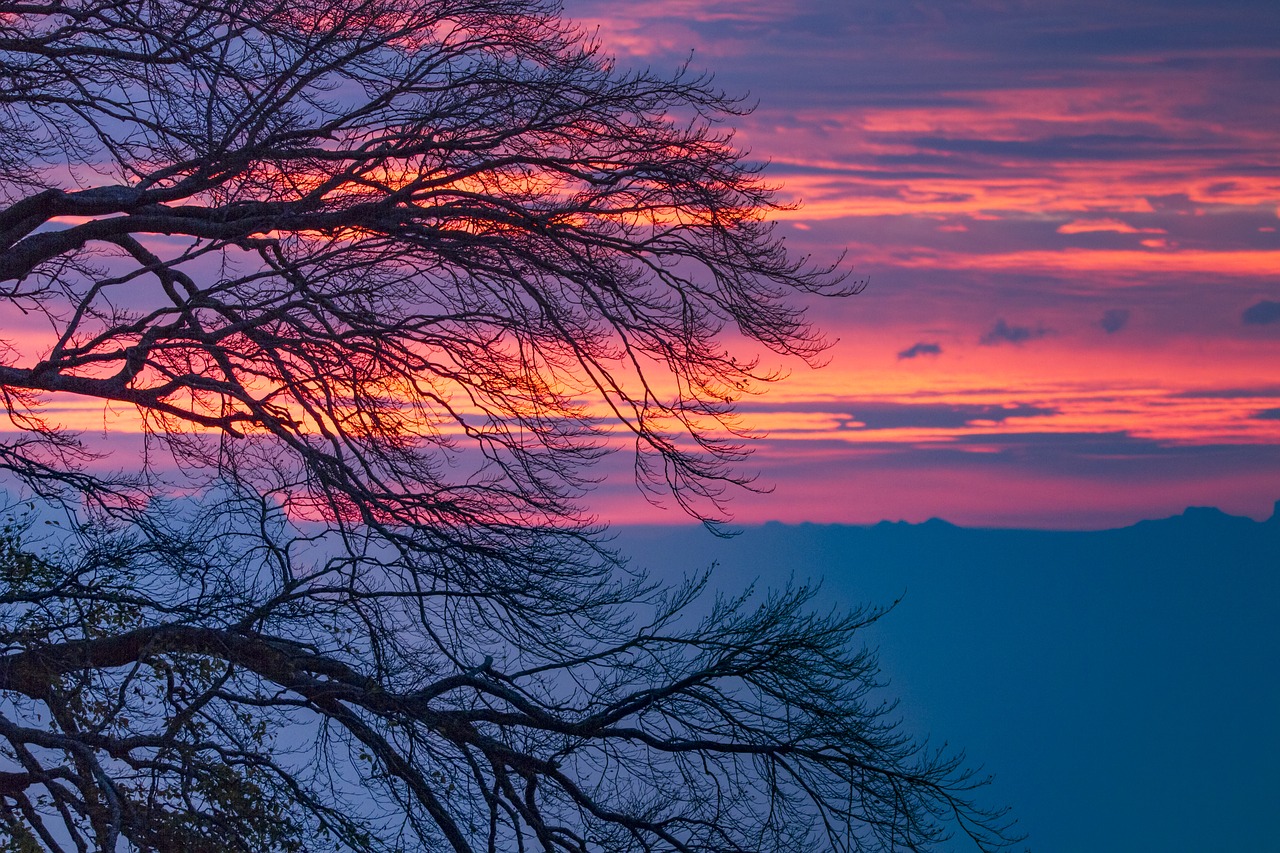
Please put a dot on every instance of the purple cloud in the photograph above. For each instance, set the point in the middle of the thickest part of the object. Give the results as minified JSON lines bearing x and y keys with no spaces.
{"x":1263,"y":313}
{"x":919,"y":349}
{"x":880,"y":415}
{"x":1003,"y":333}
{"x":1114,"y":320}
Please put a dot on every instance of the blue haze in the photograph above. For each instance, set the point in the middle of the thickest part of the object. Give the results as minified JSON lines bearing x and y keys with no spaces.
{"x":1122,"y":685}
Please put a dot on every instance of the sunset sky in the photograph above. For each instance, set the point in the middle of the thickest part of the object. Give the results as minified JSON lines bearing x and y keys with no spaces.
{"x":1065,"y":213}
{"x":1068,"y":213}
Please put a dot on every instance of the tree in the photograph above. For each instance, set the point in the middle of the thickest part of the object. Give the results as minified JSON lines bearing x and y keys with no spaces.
{"x":376,"y":282}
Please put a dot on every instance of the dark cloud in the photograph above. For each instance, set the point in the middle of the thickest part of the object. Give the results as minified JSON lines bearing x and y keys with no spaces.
{"x":1227,"y":393}
{"x":1089,"y":147}
{"x":1114,"y":320}
{"x":1268,"y":415}
{"x":921,"y":348}
{"x":1114,"y":456}
{"x":938,"y":415}
{"x":1263,"y":313}
{"x":1179,"y":202}
{"x":1106,"y":454}
{"x":877,"y":414}
{"x":1003,"y":333}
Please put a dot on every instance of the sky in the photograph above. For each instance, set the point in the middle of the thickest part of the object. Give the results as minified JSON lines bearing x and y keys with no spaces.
{"x":1068,"y":213}
{"x":1069,"y":216}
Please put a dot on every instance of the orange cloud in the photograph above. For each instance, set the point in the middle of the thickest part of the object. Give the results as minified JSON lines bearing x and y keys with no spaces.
{"x":1085,"y":226}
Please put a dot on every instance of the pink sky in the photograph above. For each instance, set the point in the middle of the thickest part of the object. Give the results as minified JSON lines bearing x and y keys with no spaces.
{"x":1069,"y":217}
{"x":1068,"y":213}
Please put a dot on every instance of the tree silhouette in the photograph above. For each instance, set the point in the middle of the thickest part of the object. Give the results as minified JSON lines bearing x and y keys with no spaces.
{"x":375,"y":283}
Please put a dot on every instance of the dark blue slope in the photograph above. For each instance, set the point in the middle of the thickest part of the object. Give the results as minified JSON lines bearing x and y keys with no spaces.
{"x":1123,"y":685}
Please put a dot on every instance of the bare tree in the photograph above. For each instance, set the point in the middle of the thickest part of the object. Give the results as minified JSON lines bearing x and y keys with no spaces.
{"x":377,"y":282}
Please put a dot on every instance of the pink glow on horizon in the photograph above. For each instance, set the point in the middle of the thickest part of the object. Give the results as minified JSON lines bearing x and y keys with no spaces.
{"x":834,"y":487}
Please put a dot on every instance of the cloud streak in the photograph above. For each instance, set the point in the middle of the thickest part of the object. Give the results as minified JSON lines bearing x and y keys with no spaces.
{"x":882,"y":416}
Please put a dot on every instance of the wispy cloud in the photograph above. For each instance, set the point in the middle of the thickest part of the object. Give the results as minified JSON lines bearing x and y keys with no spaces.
{"x":1262,"y":392}
{"x":1089,"y":226}
{"x":883,"y":415}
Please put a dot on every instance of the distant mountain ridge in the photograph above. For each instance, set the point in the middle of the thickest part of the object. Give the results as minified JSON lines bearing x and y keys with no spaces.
{"x":1194,"y":538}
{"x":1211,"y":515}
{"x":878,"y":559}
{"x":1195,"y":515}
{"x":1108,"y":678}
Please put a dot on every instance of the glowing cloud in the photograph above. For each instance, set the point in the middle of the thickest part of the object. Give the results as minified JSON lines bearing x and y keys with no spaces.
{"x":1086,"y":226}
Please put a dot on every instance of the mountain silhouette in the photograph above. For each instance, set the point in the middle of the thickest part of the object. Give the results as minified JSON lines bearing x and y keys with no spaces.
{"x":1107,"y":678}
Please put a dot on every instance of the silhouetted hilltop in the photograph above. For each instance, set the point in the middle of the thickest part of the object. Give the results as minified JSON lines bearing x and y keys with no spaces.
{"x":1088,"y":670}
{"x":1196,"y":540}
{"x":1206,"y":519}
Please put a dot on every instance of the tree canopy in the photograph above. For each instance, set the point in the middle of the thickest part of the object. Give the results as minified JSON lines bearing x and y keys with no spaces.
{"x":375,"y":283}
